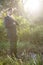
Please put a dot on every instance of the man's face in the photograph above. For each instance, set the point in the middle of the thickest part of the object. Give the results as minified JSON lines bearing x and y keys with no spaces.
{"x":10,"y":12}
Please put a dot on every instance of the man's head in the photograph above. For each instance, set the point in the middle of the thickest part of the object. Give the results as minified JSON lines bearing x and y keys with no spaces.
{"x":10,"y":11}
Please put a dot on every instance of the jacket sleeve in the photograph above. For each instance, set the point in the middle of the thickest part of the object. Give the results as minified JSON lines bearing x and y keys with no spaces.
{"x":7,"y":22}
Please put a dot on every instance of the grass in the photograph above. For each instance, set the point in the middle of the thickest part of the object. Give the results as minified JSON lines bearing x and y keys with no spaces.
{"x":9,"y":61}
{"x":21,"y":46}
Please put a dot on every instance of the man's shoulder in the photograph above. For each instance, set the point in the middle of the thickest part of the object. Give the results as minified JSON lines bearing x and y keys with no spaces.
{"x":10,"y":19}
{"x":7,"y":17}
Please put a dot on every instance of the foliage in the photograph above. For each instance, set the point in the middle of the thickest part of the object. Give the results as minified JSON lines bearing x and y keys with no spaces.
{"x":16,"y":5}
{"x":23,"y":28}
{"x":9,"y":61}
{"x":4,"y":44}
{"x":36,"y":35}
{"x":3,"y":34}
{"x":36,"y":60}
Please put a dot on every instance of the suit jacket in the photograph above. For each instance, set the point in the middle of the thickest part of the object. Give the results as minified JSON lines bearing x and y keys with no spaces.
{"x":10,"y":25}
{"x":9,"y":22}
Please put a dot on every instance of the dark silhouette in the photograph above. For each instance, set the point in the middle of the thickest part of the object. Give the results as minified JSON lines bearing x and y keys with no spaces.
{"x":10,"y":25}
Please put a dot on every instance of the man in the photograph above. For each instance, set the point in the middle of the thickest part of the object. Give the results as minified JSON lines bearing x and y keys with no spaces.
{"x":10,"y":25}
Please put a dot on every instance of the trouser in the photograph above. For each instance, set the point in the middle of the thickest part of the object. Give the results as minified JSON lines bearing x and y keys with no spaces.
{"x":13,"y":48}
{"x":13,"y":42}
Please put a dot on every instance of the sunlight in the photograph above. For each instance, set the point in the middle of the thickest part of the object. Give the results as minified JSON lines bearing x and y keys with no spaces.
{"x":32,"y":6}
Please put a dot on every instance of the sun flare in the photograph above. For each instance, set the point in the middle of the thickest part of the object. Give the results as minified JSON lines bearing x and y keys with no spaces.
{"x":32,"y":5}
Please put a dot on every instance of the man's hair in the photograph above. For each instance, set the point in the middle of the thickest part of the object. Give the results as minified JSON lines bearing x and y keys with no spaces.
{"x":10,"y":9}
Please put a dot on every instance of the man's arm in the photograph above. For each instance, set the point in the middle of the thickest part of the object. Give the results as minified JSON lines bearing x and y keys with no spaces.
{"x":16,"y":23}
